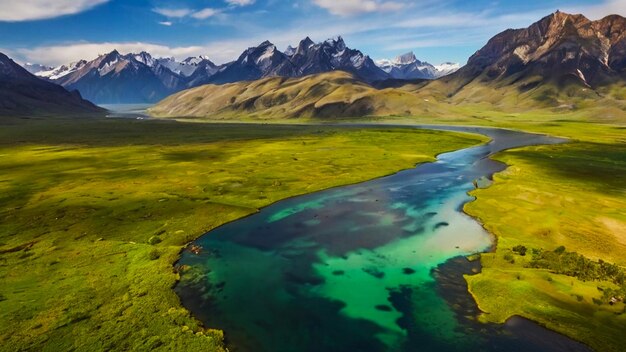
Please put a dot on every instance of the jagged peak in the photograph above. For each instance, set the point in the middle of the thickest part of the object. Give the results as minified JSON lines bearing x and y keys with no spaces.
{"x":113,"y":53}
{"x":561,"y":18}
{"x":336,"y":41}
{"x":406,"y":58}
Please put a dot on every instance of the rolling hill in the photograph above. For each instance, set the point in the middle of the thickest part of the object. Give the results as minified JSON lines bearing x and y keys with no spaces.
{"x":326,"y":95}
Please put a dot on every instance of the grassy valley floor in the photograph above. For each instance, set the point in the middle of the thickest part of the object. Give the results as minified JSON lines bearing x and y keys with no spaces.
{"x":559,"y":214}
{"x":93,"y":214}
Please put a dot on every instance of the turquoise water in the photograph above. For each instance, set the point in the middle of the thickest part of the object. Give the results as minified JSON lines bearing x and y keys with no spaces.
{"x":352,"y":268}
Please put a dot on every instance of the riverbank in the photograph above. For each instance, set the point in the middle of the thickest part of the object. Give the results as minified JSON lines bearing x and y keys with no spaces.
{"x":569,"y":196}
{"x":358,"y":258}
{"x":558,"y":214}
{"x":94,"y":214}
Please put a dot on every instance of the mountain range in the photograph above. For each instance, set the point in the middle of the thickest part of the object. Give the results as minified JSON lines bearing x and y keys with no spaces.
{"x":21,"y":93}
{"x":408,"y":67}
{"x":116,"y":78}
{"x":562,"y":62}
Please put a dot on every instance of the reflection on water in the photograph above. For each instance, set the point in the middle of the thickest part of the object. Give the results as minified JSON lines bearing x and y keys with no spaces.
{"x":128,"y":111}
{"x":353,"y":268}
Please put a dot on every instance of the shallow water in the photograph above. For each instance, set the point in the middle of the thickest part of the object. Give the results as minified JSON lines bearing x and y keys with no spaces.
{"x":355,"y":268}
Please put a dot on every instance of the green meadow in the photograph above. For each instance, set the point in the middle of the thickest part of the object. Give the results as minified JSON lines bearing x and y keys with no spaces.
{"x":559,"y":216}
{"x":569,"y":196}
{"x":94,"y":213}
{"x":564,"y":207}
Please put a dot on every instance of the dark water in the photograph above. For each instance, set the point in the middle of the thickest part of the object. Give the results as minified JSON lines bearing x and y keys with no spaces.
{"x":367,"y":267}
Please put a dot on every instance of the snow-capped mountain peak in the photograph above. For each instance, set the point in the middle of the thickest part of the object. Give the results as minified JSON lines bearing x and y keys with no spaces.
{"x":145,"y":58}
{"x":407,"y":66}
{"x":61,"y":71}
{"x":447,"y":68}
{"x":405,"y":59}
{"x":290,"y":50}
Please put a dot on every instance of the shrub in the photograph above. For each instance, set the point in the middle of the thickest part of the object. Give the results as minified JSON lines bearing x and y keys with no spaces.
{"x":154,"y":240}
{"x":154,"y":254}
{"x":521,"y":250}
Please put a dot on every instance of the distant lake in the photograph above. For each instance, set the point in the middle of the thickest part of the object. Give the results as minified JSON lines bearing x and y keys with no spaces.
{"x":131,"y":111}
{"x":370,"y":267}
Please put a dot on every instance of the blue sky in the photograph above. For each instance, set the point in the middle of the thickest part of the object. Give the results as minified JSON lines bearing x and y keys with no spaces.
{"x":59,"y":31}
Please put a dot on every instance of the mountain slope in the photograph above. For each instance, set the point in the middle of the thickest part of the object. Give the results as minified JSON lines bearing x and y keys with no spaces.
{"x":552,"y":63}
{"x":327,"y":95}
{"x":262,"y":61}
{"x":114,"y":78}
{"x":22,"y":93}
{"x":331,"y":55}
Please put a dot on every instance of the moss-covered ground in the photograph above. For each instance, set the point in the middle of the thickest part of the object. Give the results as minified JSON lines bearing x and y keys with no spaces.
{"x":571,"y":196}
{"x":93,"y":215}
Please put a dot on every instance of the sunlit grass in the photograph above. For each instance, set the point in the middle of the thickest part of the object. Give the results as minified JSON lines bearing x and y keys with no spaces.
{"x":93,"y":215}
{"x":571,"y":195}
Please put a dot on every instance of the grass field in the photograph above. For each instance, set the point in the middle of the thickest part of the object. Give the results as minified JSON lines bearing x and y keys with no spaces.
{"x":570,"y":195}
{"x":93,"y":214}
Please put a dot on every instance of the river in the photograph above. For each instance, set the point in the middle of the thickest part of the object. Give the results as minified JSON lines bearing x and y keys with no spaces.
{"x":368,"y":267}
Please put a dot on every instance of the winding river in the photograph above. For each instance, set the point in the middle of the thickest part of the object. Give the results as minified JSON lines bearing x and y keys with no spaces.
{"x":365,"y":267}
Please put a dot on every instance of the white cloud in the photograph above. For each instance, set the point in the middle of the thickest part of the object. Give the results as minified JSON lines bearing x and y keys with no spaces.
{"x":594,"y":12}
{"x":173,"y":13}
{"x":28,"y":10}
{"x":184,"y":12}
{"x":165,"y":23}
{"x":355,"y":7}
{"x":240,"y":2}
{"x":64,"y":53}
{"x":385,"y":35}
{"x":205,"y":13}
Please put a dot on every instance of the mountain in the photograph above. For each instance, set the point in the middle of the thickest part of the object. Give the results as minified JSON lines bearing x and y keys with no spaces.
{"x":258,"y":62}
{"x":54,"y":73}
{"x":446,"y":68}
{"x":308,"y":58}
{"x":189,"y":66}
{"x":561,"y":63}
{"x":326,"y":95}
{"x":331,"y":55}
{"x":114,"y":78}
{"x":22,"y":93}
{"x":408,"y":67}
{"x":139,"y":77}
{"x":554,"y":62}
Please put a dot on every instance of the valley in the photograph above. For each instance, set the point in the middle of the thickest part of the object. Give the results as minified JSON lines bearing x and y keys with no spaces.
{"x":155,"y":198}
{"x":98,"y":212}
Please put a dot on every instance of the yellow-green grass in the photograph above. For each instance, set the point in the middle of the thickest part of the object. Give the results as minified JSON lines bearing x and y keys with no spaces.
{"x":327,"y":96}
{"x":571,"y":195}
{"x":333,"y":95}
{"x":93,"y":215}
